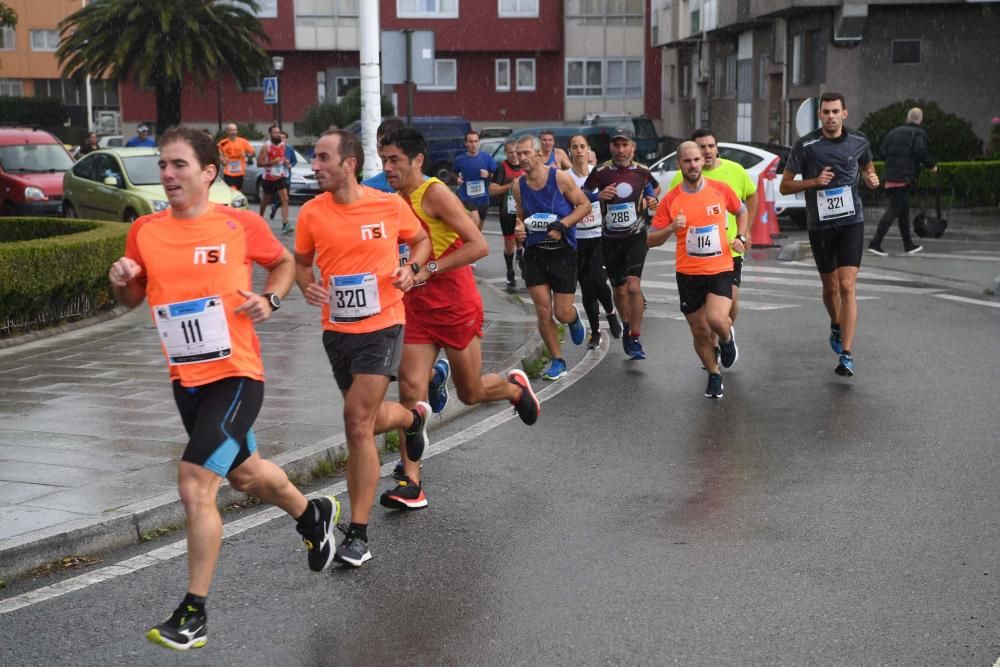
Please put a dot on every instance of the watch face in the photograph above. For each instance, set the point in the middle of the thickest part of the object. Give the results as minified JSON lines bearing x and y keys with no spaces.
{"x":432,"y":267}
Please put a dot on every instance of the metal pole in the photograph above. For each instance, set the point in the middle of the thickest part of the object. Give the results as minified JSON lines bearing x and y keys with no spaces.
{"x":218,"y":97}
{"x":408,"y":33}
{"x":371,"y":85}
{"x":279,"y":98}
{"x":90,"y":99}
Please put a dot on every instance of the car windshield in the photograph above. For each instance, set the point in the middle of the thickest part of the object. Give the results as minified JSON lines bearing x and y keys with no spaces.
{"x":35,"y":158}
{"x":143,"y":169}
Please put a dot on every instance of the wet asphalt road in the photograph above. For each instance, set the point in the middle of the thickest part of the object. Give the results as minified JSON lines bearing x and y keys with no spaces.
{"x":804,"y":519}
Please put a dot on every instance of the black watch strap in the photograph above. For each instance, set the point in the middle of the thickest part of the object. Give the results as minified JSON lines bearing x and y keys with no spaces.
{"x":273,"y":300}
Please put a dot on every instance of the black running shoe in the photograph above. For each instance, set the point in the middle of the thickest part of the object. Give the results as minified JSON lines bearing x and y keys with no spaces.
{"x":527,"y":406}
{"x":729,"y":353}
{"x":595,"y":339}
{"x":416,"y":439}
{"x":714,"y":388}
{"x":397,"y":471}
{"x":353,"y":551}
{"x":186,"y":628}
{"x":319,"y":540}
{"x":405,"y":496}
{"x":614,"y":326}
{"x":511,"y":282}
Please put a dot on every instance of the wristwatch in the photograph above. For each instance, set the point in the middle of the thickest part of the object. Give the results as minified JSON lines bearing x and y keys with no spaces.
{"x":741,"y":238}
{"x":432,"y":267}
{"x":273,"y":300}
{"x":415,"y":267}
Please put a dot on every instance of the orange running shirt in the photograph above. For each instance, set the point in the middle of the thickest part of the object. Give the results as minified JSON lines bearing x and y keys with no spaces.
{"x":234,"y":155}
{"x":193,"y":269}
{"x":702,"y":246}
{"x":357,"y":253}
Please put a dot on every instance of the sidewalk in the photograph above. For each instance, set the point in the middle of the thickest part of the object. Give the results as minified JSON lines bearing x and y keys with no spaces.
{"x":90,"y":436}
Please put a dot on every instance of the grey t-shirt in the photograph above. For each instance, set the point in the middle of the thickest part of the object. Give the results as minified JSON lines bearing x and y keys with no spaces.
{"x":846,"y":155}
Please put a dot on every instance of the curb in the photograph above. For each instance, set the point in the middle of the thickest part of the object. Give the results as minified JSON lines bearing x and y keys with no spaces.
{"x":42,"y":334}
{"x":126,"y":526}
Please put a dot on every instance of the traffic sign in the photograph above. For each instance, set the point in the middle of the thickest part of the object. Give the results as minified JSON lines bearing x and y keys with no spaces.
{"x":270,"y":90}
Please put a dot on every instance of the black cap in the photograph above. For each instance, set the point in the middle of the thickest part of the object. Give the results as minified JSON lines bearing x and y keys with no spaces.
{"x":624,"y":133}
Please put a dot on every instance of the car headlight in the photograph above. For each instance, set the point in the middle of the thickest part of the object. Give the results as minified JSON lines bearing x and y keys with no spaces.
{"x":32,"y":193}
{"x":238,"y":201}
{"x":160,"y":205}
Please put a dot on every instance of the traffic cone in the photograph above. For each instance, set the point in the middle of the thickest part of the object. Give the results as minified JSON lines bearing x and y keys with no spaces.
{"x":765,"y":224}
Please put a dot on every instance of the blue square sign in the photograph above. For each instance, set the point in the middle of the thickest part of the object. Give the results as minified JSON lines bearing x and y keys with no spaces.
{"x":270,"y":90}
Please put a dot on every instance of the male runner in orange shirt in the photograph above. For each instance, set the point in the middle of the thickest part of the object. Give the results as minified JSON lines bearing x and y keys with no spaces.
{"x":234,"y":150}
{"x":193,"y":262}
{"x":351,"y":233}
{"x":445,"y":309}
{"x":695,"y":210}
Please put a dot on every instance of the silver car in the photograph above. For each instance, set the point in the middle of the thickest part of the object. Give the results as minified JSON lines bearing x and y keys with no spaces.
{"x":303,"y":184}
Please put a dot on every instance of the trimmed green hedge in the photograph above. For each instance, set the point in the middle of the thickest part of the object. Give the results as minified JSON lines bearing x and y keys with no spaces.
{"x":52,"y":269}
{"x":971,"y":183}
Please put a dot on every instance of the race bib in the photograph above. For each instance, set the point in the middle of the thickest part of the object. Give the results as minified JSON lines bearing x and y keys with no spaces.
{"x":621,"y":216}
{"x":539,"y":222}
{"x":235,"y":166}
{"x":475,"y":188}
{"x":354,"y":297}
{"x":404,"y":254}
{"x":703,"y":241}
{"x":593,"y":219}
{"x":276,"y":171}
{"x":193,"y":332}
{"x":511,"y":204}
{"x":835,"y":203}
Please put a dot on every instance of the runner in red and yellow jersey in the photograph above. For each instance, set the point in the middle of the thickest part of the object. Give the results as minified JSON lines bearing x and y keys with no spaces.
{"x":193,"y":262}
{"x":234,"y":150}
{"x":273,"y":159}
{"x":695,"y":210}
{"x":351,"y":233}
{"x":445,"y":310}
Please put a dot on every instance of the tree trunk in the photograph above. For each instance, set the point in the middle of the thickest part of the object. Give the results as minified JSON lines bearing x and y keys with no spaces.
{"x":168,"y":105}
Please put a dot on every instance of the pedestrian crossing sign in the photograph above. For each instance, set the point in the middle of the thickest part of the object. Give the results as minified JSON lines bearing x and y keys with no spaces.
{"x":270,"y":90}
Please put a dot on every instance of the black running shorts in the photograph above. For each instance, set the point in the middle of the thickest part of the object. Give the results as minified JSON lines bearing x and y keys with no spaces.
{"x":218,"y":418}
{"x":837,"y":246}
{"x":482,"y":209}
{"x":271,"y":187}
{"x":233,"y":181}
{"x":555,"y":268}
{"x":624,"y":257}
{"x":694,"y":290}
{"x":375,"y":353}
{"x":507,"y":224}
{"x":737,"y":271}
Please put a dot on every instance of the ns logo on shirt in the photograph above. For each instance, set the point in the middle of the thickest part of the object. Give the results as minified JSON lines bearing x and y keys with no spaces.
{"x":210,"y":254}
{"x":373,"y":231}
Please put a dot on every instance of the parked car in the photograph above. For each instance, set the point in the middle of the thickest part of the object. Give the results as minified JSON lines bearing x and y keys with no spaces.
{"x":597,"y":137}
{"x":445,"y":136}
{"x":123,"y":184}
{"x":303,"y":184}
{"x":111,"y":141}
{"x":494,"y":132}
{"x":646,"y":140}
{"x":32,"y":164}
{"x":754,"y":160}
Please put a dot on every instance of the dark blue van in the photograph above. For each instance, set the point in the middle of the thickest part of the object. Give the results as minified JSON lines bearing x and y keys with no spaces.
{"x":445,"y":137}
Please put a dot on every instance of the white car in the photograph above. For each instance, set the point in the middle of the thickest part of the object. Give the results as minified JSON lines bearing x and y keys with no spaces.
{"x":754,"y":160}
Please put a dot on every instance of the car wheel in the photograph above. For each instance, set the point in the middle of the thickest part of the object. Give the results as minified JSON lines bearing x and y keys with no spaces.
{"x":442,"y":170}
{"x":9,"y":209}
{"x":68,"y":210}
{"x":130,"y":215}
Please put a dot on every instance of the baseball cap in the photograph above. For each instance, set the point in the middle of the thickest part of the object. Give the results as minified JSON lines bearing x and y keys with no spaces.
{"x":142,"y":128}
{"x":624,"y":133}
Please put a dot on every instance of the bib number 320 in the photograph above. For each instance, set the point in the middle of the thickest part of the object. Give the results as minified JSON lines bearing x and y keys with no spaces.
{"x":354,"y":297}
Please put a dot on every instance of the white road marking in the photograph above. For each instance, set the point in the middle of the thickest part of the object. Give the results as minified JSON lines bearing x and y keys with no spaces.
{"x":179,"y":548}
{"x":965,"y":299}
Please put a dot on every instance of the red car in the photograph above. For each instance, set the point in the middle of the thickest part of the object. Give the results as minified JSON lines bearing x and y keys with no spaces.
{"x":32,"y":164}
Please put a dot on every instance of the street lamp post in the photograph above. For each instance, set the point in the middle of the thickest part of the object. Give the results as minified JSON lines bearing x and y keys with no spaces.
{"x":278,"y":63}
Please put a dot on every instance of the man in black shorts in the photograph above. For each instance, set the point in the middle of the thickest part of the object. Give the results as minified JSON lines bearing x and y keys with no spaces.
{"x":831,"y":161}
{"x":502,"y":186}
{"x":621,"y":185}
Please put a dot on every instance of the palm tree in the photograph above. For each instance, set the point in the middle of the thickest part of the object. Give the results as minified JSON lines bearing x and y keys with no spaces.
{"x":159,"y":43}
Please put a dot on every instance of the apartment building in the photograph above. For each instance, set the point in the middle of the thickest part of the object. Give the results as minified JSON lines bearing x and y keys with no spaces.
{"x":743,"y":67}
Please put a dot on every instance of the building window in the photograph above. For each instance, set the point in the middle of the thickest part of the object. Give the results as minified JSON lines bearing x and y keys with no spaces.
{"x":685,"y":83}
{"x":266,"y":9}
{"x":609,"y":8}
{"x":730,"y":76}
{"x":906,"y":52}
{"x":624,"y":78}
{"x":596,"y":78}
{"x":517,"y":8}
{"x":12,"y":87}
{"x":73,"y":92}
{"x":445,"y":76}
{"x":319,"y":9}
{"x":503,"y":75}
{"x":763,"y":65}
{"x":321,"y":85}
{"x":44,"y":40}
{"x":8,"y":39}
{"x":525,"y":73}
{"x":807,"y":54}
{"x":427,"y":9}
{"x":344,"y":84}
{"x":718,"y":78}
{"x":584,"y":78}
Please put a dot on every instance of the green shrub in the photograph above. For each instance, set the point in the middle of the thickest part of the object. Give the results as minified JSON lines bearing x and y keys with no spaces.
{"x":995,"y":140}
{"x":320,"y":117}
{"x":33,"y":111}
{"x":60,"y":273}
{"x":966,"y":183}
{"x":951,"y":138}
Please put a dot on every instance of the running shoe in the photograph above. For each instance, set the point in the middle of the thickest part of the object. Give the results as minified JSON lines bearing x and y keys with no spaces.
{"x":846,"y":365}
{"x":527,"y":406}
{"x":614,"y":326}
{"x":637,"y":353}
{"x":914,"y":250}
{"x":353,"y":551}
{"x":595,"y":339}
{"x":405,"y":496}
{"x":628,"y":343}
{"x":319,"y":540}
{"x":714,"y":388}
{"x":416,"y":435}
{"x":186,"y":628}
{"x":556,"y":370}
{"x":877,"y":250}
{"x":287,"y":228}
{"x":729,"y":353}
{"x":511,"y":282}
{"x":577,"y":330}
{"x":397,"y":471}
{"x":836,"y":340}
{"x":274,"y":210}
{"x":437,"y":393}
